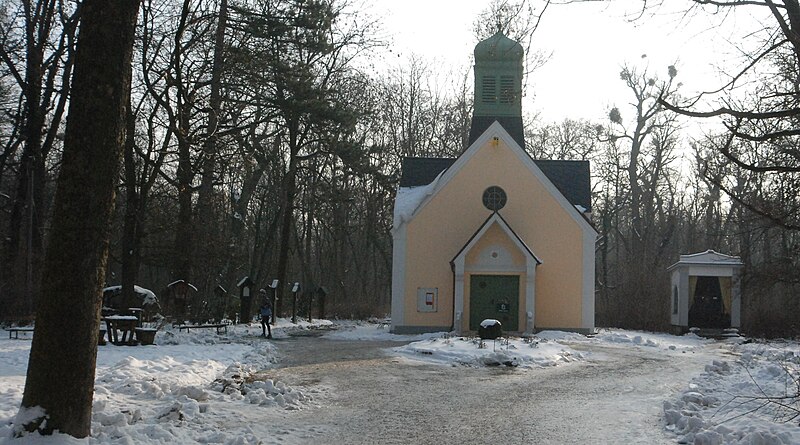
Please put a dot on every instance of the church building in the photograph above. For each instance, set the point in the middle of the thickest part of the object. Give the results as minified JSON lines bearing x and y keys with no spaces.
{"x":493,"y":233}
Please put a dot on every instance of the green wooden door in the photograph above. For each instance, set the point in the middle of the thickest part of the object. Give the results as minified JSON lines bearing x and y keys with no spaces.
{"x":494,"y":296}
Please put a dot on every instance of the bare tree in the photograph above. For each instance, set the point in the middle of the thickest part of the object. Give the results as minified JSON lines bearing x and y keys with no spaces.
{"x":37,"y":43}
{"x":638,"y":206}
{"x":416,"y":115}
{"x":568,"y":139}
{"x":760,"y":103}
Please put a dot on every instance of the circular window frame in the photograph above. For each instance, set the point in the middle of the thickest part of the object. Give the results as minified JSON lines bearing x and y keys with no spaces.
{"x":494,"y":198}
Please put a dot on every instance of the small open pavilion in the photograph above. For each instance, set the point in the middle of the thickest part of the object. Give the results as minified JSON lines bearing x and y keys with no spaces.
{"x":706,"y":291}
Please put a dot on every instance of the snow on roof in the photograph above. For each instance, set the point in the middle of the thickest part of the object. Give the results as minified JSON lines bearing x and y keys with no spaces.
{"x":708,"y":258}
{"x":184,"y":282}
{"x":408,"y":200}
{"x":149,"y":296}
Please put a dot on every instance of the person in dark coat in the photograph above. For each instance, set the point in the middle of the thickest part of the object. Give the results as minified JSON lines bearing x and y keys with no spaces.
{"x":266,"y":313}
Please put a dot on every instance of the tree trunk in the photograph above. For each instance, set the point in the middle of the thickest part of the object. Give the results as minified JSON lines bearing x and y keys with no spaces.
{"x":206,"y":219}
{"x":182,"y":265}
{"x":182,"y":257}
{"x":131,"y":225}
{"x":68,"y":315}
{"x":287,"y":214}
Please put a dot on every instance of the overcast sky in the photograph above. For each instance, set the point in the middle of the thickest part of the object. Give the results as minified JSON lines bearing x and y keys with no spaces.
{"x":589,"y":42}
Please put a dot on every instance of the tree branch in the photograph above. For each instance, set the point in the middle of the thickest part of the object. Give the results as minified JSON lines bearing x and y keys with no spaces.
{"x":778,"y":221}
{"x":725,"y":111}
{"x":724,"y":4}
{"x":764,"y":137}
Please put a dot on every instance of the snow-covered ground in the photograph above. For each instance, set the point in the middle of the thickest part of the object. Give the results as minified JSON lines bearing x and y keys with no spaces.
{"x":180,"y":390}
{"x":752,"y":398}
{"x":200,"y":387}
{"x":547,"y":348}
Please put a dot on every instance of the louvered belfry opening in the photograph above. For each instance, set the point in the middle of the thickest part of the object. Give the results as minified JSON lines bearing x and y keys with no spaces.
{"x":489,"y":93}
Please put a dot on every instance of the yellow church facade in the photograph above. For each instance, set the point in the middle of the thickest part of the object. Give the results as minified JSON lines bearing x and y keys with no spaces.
{"x":493,"y":233}
{"x":492,"y":236}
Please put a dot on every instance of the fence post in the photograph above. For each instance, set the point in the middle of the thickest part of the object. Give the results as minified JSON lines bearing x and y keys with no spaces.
{"x":295,"y":288}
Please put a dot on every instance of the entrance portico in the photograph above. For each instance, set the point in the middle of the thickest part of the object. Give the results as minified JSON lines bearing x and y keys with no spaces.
{"x":495,"y":277}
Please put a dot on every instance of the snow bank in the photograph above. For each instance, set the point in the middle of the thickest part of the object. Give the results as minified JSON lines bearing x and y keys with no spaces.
{"x":683,"y":343}
{"x":443,"y":348}
{"x":373,"y":332}
{"x":201,"y":387}
{"x":546,"y":348}
{"x":180,"y":391}
{"x":750,"y":400}
{"x":527,"y":353}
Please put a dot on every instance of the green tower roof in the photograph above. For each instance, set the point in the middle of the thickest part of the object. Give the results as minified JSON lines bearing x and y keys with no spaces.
{"x":498,"y":48}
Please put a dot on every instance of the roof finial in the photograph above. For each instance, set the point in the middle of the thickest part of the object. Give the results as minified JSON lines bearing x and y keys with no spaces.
{"x":499,"y":26}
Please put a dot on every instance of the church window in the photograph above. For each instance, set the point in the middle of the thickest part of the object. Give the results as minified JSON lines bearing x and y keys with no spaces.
{"x":494,"y":198}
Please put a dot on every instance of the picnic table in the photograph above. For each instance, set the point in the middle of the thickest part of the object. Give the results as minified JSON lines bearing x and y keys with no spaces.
{"x":121,"y":324}
{"x":14,"y":332}
{"x":220,"y":327}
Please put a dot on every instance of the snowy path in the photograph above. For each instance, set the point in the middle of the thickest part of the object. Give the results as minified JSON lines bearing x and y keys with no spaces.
{"x":367,"y":396}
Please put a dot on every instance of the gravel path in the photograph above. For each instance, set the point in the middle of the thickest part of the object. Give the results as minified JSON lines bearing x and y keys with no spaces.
{"x":365,"y":396}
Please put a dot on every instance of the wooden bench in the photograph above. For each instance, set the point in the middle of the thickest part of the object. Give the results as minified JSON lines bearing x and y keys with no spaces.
{"x":14,"y":332}
{"x":146,"y":336}
{"x":220,"y":327}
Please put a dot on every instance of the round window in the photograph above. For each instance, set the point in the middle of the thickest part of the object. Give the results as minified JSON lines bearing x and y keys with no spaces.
{"x":494,"y":198}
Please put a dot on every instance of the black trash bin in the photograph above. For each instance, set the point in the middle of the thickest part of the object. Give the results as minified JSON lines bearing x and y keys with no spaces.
{"x":490,"y":329}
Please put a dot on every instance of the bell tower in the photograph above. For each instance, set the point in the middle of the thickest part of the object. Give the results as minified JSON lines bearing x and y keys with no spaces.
{"x":498,"y":87}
